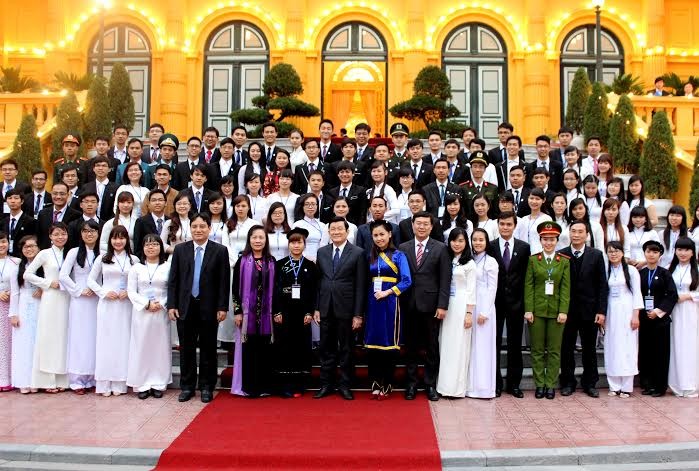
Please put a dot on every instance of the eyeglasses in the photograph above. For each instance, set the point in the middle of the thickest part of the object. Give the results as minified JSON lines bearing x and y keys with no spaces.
{"x":87,"y":231}
{"x":309,"y":205}
{"x":151,"y":244}
{"x":30,"y":246}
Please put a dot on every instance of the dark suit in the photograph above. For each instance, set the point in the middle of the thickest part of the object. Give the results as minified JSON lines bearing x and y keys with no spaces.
{"x":243,"y":156}
{"x":206,"y":195}
{"x":460,"y":173}
{"x":509,"y":307}
{"x":429,"y":160}
{"x":429,"y":291}
{"x":45,"y":220}
{"x":498,"y":154}
{"x":325,"y":208}
{"x":30,"y":203}
{"x":555,"y":169}
{"x":522,"y":209}
{"x":333,"y":154}
{"x":87,"y":172}
{"x":405,"y":229}
{"x":147,"y":154}
{"x":588,"y":296}
{"x":331,"y":178}
{"x":74,"y":199}
{"x":367,"y":154}
{"x":425,"y":174}
{"x":269,"y":160}
{"x":182,"y":174}
{"x":21,"y":186}
{"x":105,"y":208}
{"x":341,"y":296}
{"x":503,"y":175}
{"x":197,"y":324}
{"x":215,"y":155}
{"x":213,"y":181}
{"x":366,"y":242}
{"x":300,"y":185}
{"x":654,"y":334}
{"x":356,"y":200}
{"x":24,"y":225}
{"x":557,"y":154}
{"x":432,"y":195}
{"x":144,"y":225}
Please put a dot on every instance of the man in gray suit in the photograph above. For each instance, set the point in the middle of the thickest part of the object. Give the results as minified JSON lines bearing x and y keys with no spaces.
{"x":340,"y":306}
{"x":425,"y":304}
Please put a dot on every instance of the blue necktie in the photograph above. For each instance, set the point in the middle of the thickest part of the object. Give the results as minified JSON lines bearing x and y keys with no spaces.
{"x":197,"y":200}
{"x":197,"y":272}
{"x":336,"y":259}
{"x":37,"y":206}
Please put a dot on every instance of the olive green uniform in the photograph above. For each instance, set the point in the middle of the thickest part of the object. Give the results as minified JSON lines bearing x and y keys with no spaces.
{"x":545,"y":333}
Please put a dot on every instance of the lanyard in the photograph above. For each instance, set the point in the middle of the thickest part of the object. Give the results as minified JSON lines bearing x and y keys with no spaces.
{"x":2,"y":272}
{"x":130,"y":224}
{"x":295,"y":268}
{"x":315,"y":225}
{"x":90,"y":262}
{"x":136,"y":193}
{"x":60,"y":264}
{"x":184,"y":231}
{"x":651,"y":276}
{"x":532,"y":223}
{"x":213,"y":236}
{"x":679,"y":284}
{"x":614,"y":271}
{"x":122,"y":266}
{"x":150,"y":276}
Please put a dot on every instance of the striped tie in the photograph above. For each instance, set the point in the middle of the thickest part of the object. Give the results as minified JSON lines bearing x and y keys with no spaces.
{"x":418,"y":259}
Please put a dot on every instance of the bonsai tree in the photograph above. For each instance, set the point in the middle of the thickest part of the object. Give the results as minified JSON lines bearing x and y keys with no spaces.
{"x":577,"y":100}
{"x":623,"y":138}
{"x":624,"y":84}
{"x":281,"y":88}
{"x":658,"y":167}
{"x":97,"y":117}
{"x":694,"y":195}
{"x":27,"y":148}
{"x":429,"y":104}
{"x":596,"y":121}
{"x":12,"y":80}
{"x":121,"y":101}
{"x":68,"y":121}
{"x":73,"y":82}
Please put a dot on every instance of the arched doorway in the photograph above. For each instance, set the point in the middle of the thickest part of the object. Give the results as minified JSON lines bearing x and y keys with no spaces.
{"x":237,"y":60}
{"x":474,"y":58}
{"x":354,"y":77}
{"x":127,"y":44}
{"x":579,"y":50}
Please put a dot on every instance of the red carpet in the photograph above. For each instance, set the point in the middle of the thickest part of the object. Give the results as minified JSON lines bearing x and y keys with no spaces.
{"x":329,"y":434}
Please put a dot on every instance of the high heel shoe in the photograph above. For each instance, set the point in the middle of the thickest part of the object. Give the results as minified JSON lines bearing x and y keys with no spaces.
{"x":385,"y":392}
{"x":375,"y":390}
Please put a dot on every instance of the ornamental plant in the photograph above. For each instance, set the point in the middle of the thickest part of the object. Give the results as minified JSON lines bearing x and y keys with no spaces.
{"x":658,"y":167}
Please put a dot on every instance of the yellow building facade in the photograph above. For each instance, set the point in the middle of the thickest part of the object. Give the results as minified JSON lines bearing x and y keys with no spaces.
{"x":192,"y":63}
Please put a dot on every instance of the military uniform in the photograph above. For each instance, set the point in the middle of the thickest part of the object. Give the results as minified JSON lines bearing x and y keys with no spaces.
{"x":398,"y":160}
{"x":469,"y":191}
{"x":61,"y":163}
{"x":546,"y":294}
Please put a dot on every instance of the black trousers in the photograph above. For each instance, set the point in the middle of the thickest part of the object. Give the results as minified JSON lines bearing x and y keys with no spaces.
{"x":653,"y":352}
{"x":195,"y":329}
{"x":382,"y":365}
{"x":588,"y":339}
{"x":335,"y":350}
{"x":257,"y":365}
{"x":421,"y":330}
{"x":515,"y":325}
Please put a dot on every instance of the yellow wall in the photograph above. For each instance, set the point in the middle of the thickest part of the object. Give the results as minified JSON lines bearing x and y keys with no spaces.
{"x":44,"y":36}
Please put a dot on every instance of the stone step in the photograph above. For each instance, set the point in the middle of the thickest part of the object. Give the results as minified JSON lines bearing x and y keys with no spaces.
{"x":680,"y":466}
{"x":48,"y":466}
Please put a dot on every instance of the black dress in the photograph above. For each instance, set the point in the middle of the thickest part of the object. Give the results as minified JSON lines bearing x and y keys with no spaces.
{"x":292,"y":339}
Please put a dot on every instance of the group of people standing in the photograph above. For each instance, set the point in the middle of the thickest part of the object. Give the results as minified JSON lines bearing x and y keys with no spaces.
{"x":271,"y":253}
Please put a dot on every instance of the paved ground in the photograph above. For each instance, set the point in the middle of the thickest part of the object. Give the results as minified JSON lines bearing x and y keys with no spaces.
{"x":575,"y":421}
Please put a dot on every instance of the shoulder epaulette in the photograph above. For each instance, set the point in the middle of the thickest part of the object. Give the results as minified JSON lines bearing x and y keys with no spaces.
{"x":559,"y":255}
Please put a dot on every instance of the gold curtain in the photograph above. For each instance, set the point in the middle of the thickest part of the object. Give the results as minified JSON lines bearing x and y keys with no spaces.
{"x":342,"y":102}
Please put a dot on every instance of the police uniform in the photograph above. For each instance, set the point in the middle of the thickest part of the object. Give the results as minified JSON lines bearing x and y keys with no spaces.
{"x":470,"y":190}
{"x":170,"y":140}
{"x":399,"y":128}
{"x":61,"y":163}
{"x":546,"y":295}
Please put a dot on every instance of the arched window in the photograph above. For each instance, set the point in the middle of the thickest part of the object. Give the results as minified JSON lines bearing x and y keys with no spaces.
{"x":127,"y":44}
{"x":474,"y":58}
{"x":354,"y":77}
{"x":579,"y":50}
{"x":237,"y":60}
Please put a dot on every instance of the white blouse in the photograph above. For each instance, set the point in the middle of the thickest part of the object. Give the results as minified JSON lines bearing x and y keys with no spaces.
{"x":128,"y":222}
{"x":183,"y":234}
{"x":140,"y":193}
{"x":289,"y":202}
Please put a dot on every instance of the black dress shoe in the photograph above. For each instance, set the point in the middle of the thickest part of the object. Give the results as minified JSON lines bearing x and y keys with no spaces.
{"x":206,"y":396}
{"x":566,"y":391}
{"x":185,"y":396}
{"x":592,"y":392}
{"x":539,"y":393}
{"x":410,"y":392}
{"x":498,"y":393}
{"x":156,"y":393}
{"x":346,"y":394}
{"x":658,"y":393}
{"x":550,"y":393}
{"x":648,"y":392}
{"x":432,"y":393}
{"x":516,"y":392}
{"x":322,"y":392}
{"x":143,"y":394}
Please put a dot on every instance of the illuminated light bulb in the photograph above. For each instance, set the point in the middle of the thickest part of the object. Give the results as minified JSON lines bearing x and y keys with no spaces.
{"x":22,"y":50}
{"x":70,"y":38}
{"x":612,"y":10}
{"x":200,"y":19}
{"x":161,"y":41}
{"x":83,"y":17}
{"x":684,"y":54}
{"x":659,"y":49}
{"x":130,"y":6}
{"x":498,"y":10}
{"x":632,"y":26}
{"x":61,"y":43}
{"x":64,"y":92}
{"x":192,"y":30}
{"x":441,"y":19}
{"x":277,"y":26}
{"x":221,"y":5}
{"x":538,"y":46}
{"x":44,"y":92}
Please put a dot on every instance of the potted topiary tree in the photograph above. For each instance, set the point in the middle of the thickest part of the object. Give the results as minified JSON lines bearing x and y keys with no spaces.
{"x":27,"y":148}
{"x":596,"y":121}
{"x":658,"y":167}
{"x":97,"y":117}
{"x":623,"y":139}
{"x":694,"y":195}
{"x":580,"y":90}
{"x":68,"y":121}
{"x":121,"y":103}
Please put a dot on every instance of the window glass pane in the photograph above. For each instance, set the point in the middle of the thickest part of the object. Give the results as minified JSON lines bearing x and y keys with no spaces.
{"x":135,"y":42}
{"x":340,"y":40}
{"x":251,"y":40}
{"x":488,"y":42}
{"x":219,"y":101}
{"x":576,"y":43}
{"x":459,"y":42}
{"x":223,"y":40}
{"x":457,"y":79}
{"x":137,"y":79}
{"x":253,"y":79}
{"x":369,"y":40}
{"x":608,"y":46}
{"x":138,"y":101}
{"x":220,"y":78}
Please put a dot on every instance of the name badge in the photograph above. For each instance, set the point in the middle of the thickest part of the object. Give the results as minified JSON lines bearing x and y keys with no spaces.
{"x":452,"y":290}
{"x":378,"y":286}
{"x":123,"y":282}
{"x":404,"y":213}
{"x":548,"y":288}
{"x":6,"y":208}
{"x":150,"y":294}
{"x":649,"y":302}
{"x":614,"y":291}
{"x":440,"y":211}
{"x":12,"y":246}
{"x":295,"y":291}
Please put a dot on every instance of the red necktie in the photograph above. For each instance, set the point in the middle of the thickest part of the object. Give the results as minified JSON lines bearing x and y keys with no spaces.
{"x":208,"y":156}
{"x":418,"y":258}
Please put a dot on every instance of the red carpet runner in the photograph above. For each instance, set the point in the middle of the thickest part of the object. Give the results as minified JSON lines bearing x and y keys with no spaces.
{"x":327,"y":434}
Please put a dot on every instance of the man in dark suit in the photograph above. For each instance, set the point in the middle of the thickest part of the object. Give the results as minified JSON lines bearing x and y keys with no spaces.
{"x":436,"y":191}
{"x":183,"y":172}
{"x":151,"y":151}
{"x":565,"y":137}
{"x":198,"y":194}
{"x":659,"y":85}
{"x":362,"y":133}
{"x":269,"y":147}
{"x":425,"y":303}
{"x":302,"y":172}
{"x":70,"y":177}
{"x":9,"y":169}
{"x":588,"y":307}
{"x":434,"y":141}
{"x":88,"y":208}
{"x":660,"y":296}
{"x":349,"y":155}
{"x":210,"y":153}
{"x":340,"y":305}
{"x":421,"y":167}
{"x":503,"y":168}
{"x":553,"y":167}
{"x":499,"y":154}
{"x":329,"y":151}
{"x":459,"y":172}
{"x":355,"y":194}
{"x":519,"y":192}
{"x":38,"y":198}
{"x":16,"y":223}
{"x":87,"y":173}
{"x":224,"y":166}
{"x":151,"y":223}
{"x":239,"y":135}
{"x":416,"y":203}
{"x":512,"y":256}
{"x":378,"y":208}
{"x":103,"y":188}
{"x":198,"y":292}
{"x":57,"y":212}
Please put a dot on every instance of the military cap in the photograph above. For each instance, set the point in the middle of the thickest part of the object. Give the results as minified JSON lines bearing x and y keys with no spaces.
{"x":548,"y":228}
{"x":399,"y":128}
{"x":74,"y":138}
{"x":478,"y":157}
{"x":169,"y":140}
